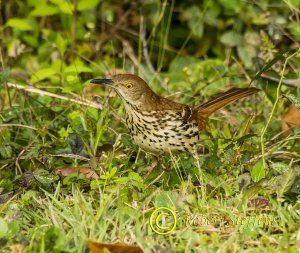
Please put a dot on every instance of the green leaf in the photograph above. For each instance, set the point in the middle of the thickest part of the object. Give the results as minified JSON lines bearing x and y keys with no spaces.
{"x":165,"y":199}
{"x":195,"y":20}
{"x":136,"y":180}
{"x":13,"y":228}
{"x":109,"y":174}
{"x":55,"y":239}
{"x":44,"y":10}
{"x":270,"y":90}
{"x":6,"y":151}
{"x":231,"y":39}
{"x":64,"y":133}
{"x":75,"y":118}
{"x":77,"y":69}
{"x":67,"y":7}
{"x":179,"y":63}
{"x":294,"y":29}
{"x":113,"y":171}
{"x":197,"y":28}
{"x":269,"y":64}
{"x":235,"y":5}
{"x":35,"y":2}
{"x":44,"y":177}
{"x":258,"y":171}
{"x":42,"y":74}
{"x":280,"y":167}
{"x":296,"y":186}
{"x":191,"y":236}
{"x":286,"y":181}
{"x":246,"y":54}
{"x":61,"y":44}
{"x":28,"y":196}
{"x":84,"y":4}
{"x":93,"y":113}
{"x":294,"y":100}
{"x":6,"y":185}
{"x":282,"y":183}
{"x":20,"y":24}
{"x":3,"y":228}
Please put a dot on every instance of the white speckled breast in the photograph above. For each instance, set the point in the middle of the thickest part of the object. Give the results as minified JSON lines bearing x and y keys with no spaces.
{"x":161,"y":132}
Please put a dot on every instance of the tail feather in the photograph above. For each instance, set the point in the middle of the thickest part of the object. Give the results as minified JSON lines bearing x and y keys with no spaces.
{"x":224,"y":99}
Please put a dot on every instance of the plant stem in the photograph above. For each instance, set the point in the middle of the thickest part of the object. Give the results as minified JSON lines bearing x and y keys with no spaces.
{"x":274,"y":106}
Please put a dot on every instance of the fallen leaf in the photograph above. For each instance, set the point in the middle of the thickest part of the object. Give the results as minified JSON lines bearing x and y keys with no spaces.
{"x":290,"y":120}
{"x":97,"y":247}
{"x":259,"y":202}
{"x":88,"y":172}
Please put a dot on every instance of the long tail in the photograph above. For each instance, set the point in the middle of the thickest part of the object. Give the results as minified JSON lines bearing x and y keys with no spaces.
{"x":222,"y":100}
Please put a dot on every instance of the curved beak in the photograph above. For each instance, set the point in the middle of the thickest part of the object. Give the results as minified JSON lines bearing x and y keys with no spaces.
{"x":102,"y":81}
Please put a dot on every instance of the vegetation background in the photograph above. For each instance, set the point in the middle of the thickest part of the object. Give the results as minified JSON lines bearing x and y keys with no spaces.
{"x":187,"y":50}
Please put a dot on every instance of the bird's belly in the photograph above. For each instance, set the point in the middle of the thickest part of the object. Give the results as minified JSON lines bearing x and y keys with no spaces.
{"x":158,"y":145}
{"x":162,"y":135}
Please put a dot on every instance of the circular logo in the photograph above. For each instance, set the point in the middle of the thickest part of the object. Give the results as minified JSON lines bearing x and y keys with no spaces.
{"x":163,"y":220}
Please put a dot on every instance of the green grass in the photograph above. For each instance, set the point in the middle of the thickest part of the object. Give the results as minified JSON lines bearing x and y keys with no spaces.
{"x":63,"y":221}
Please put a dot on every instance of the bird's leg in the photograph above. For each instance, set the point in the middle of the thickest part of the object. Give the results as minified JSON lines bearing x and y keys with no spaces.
{"x":151,"y":167}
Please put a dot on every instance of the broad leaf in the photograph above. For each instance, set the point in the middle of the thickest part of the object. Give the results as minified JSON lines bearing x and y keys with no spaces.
{"x":44,"y":10}
{"x":258,"y":171}
{"x":20,"y":24}
{"x":42,"y":74}
{"x":84,"y":5}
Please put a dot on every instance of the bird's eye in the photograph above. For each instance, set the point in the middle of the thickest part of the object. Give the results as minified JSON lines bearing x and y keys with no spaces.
{"x":129,"y":85}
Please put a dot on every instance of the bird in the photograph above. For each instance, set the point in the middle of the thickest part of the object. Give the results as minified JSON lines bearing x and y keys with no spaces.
{"x":159,"y":125}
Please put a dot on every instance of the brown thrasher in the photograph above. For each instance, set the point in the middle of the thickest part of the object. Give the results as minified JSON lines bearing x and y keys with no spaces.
{"x":159,"y":125}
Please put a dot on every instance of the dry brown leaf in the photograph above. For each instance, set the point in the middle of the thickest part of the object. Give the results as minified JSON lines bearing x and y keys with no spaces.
{"x":88,"y":172}
{"x":290,"y":120}
{"x":97,"y":247}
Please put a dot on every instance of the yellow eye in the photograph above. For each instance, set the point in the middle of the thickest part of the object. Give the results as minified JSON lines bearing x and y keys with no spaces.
{"x":129,"y":85}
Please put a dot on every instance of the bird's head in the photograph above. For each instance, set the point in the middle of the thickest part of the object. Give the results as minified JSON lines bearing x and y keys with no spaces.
{"x":131,"y":88}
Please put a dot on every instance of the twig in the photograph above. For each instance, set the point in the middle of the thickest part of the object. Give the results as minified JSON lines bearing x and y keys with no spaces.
{"x":46,"y":93}
{"x":72,"y":156}
{"x":18,"y":125}
{"x":293,"y":83}
{"x":24,"y":126}
{"x":77,"y":101}
{"x":2,"y":167}
{"x":128,"y":50}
